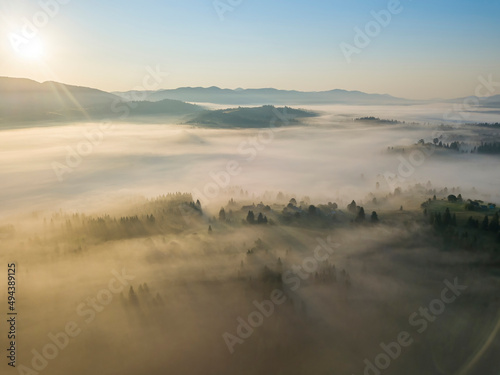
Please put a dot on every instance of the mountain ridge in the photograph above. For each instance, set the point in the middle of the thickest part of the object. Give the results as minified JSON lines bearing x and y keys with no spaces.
{"x":25,"y":100}
{"x":263,"y":96}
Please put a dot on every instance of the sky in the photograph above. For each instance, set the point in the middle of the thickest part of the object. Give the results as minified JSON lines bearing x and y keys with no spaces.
{"x":413,"y":49}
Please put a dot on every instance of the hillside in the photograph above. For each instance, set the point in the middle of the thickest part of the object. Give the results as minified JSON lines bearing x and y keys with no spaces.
{"x":269,"y":96}
{"x":259,"y":117}
{"x":24,"y":100}
{"x":27,"y":100}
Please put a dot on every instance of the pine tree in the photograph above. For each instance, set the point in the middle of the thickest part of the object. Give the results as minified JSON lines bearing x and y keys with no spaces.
{"x":494,"y":224}
{"x":453,"y":220}
{"x":447,"y":217}
{"x":485,"y":224}
{"x":260,"y":219}
{"x":361,"y":215}
{"x":133,"y":297}
{"x":438,"y":221}
{"x":352,"y":207}
{"x":222,"y":214}
{"x":251,"y":217}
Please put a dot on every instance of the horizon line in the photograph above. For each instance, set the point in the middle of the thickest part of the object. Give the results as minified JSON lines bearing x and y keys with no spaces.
{"x":240,"y":88}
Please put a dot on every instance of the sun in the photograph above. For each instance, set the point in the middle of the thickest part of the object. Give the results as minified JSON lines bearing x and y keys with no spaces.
{"x":32,"y":49}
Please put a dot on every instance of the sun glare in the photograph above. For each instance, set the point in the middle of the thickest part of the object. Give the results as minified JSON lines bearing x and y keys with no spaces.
{"x":32,"y":50}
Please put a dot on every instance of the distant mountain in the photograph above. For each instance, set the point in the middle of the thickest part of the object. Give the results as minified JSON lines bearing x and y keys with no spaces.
{"x":24,"y":100}
{"x":164,"y":107}
{"x":485,"y":101}
{"x":491,"y":101}
{"x":269,"y":96}
{"x":27,"y":100}
{"x":257,"y":117}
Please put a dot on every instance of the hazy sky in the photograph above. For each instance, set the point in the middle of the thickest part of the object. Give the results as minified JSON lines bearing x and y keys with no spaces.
{"x":428,"y":49}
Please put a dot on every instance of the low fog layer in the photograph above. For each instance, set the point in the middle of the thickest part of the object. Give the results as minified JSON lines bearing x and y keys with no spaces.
{"x":130,"y":277}
{"x":124,"y":293}
{"x":333,"y":157}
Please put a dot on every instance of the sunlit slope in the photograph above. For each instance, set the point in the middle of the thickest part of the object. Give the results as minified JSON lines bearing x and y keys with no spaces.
{"x":23,"y":100}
